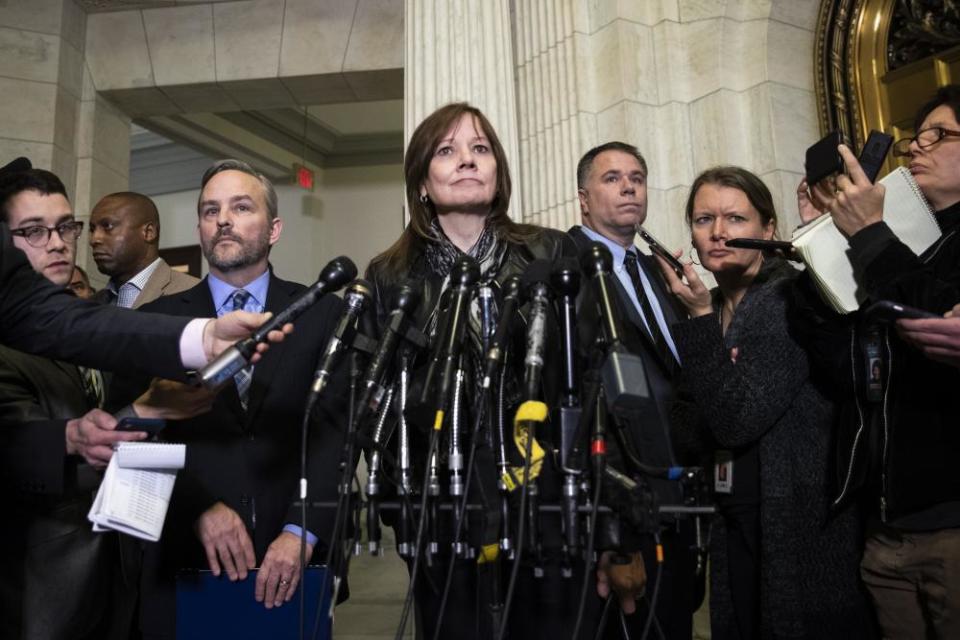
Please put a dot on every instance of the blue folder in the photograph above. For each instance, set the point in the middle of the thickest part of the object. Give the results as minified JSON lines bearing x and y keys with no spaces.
{"x":211,"y":607}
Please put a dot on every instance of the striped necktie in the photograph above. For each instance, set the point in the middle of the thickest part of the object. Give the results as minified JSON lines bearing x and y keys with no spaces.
{"x":240,"y":297}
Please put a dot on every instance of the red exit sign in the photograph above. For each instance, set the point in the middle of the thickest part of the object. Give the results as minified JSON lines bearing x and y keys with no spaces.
{"x":304,"y":176}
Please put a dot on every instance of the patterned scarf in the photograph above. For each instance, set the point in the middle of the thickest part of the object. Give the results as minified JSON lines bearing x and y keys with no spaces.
{"x":441,"y":254}
{"x":489,"y":251}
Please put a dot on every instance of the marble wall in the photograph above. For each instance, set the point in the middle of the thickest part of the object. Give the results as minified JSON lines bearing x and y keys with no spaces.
{"x":463,"y":52}
{"x":692,"y":83}
{"x":41,"y":79}
{"x":51,"y":111}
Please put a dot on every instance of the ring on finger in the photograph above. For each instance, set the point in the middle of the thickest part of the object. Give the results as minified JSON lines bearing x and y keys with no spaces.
{"x":284,"y":582}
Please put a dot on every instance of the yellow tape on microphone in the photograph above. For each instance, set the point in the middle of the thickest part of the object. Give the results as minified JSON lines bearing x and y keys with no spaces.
{"x":531,"y":411}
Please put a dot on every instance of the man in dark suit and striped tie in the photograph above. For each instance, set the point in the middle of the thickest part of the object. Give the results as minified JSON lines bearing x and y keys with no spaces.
{"x":612,"y":190}
{"x":233,"y":504}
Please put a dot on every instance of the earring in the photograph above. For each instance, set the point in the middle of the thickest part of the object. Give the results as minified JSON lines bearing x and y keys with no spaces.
{"x":424,"y":199}
{"x":690,"y":255}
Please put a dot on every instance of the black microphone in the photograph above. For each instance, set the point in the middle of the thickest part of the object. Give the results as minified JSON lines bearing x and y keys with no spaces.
{"x":337,"y":273}
{"x":512,"y":298}
{"x":566,"y":282}
{"x":597,"y":263}
{"x":487,"y":301}
{"x":446,"y":352}
{"x":355,"y":299}
{"x":536,"y":282}
{"x":407,"y":299}
{"x":624,"y":374}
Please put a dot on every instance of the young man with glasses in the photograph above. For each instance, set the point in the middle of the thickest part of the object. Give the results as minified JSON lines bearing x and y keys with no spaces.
{"x":60,"y":579}
{"x":903,"y":442}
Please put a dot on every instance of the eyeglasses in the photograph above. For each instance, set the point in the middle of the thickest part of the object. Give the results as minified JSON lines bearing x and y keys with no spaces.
{"x":924,"y":138}
{"x":39,"y":235}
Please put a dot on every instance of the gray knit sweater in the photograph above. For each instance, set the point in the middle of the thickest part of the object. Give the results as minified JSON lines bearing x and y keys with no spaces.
{"x":810,"y":585}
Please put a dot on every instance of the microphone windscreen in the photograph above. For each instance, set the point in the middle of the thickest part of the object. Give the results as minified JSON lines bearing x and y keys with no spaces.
{"x":537,"y":272}
{"x":566,"y":276}
{"x":360,"y":287}
{"x":407,"y":296}
{"x":338,"y":272}
{"x":465,"y":271}
{"x":512,"y":287}
{"x":596,"y":258}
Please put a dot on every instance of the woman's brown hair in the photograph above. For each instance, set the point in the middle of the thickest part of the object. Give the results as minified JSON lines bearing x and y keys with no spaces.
{"x":416,"y":167}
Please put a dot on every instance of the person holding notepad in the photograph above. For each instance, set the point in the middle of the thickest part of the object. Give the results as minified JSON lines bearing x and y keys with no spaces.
{"x":901,"y":443}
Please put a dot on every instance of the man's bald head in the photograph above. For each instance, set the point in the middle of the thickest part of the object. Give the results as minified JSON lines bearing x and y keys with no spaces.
{"x":124,"y":234}
{"x":137,"y":206}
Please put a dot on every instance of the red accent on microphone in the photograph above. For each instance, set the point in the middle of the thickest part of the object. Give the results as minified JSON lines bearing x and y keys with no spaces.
{"x":598,"y":447}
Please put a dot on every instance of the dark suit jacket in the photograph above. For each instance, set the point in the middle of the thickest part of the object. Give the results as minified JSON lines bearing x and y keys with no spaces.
{"x":37,"y":397}
{"x":650,"y":429}
{"x":57,"y":575}
{"x":39,"y":317}
{"x":250,"y":459}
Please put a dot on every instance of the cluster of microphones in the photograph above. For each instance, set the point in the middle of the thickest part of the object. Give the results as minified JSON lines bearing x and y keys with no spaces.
{"x":388,"y":404}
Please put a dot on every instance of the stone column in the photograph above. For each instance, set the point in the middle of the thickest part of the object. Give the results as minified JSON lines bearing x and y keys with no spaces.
{"x":694,"y":84}
{"x":41,"y":77}
{"x":51,"y":112}
{"x":463,"y":51}
{"x":548,"y":85}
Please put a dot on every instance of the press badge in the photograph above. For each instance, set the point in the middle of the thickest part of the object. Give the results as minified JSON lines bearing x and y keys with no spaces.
{"x":723,"y":471}
{"x":873,"y":365}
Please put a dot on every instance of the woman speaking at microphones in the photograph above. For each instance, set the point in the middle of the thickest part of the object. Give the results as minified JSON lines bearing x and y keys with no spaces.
{"x":459,"y":248}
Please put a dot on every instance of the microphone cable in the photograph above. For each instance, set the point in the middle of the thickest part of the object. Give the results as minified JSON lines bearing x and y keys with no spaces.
{"x":652,"y":604}
{"x":588,"y":558}
{"x":418,"y":539}
{"x":518,"y":556}
{"x":603,"y":618}
{"x":342,"y":505}
{"x":304,"y":428}
{"x":462,"y":506}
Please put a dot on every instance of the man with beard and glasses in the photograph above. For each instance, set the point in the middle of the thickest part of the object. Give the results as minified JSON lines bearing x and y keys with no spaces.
{"x":233,"y":504}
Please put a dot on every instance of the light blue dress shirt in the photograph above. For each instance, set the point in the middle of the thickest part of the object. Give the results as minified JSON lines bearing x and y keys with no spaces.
{"x":618,"y":252}
{"x":222,"y":292}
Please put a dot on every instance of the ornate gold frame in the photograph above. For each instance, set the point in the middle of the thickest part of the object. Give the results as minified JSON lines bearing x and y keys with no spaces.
{"x":850,"y":50}
{"x":856,"y":90}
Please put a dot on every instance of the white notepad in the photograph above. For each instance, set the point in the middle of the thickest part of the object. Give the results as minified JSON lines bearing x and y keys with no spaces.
{"x":824,"y":249}
{"x":136,"y":489}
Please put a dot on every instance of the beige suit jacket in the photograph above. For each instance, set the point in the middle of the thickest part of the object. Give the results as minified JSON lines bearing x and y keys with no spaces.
{"x":164,"y":281}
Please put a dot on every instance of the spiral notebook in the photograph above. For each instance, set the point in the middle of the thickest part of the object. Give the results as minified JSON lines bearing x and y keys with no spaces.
{"x":824,"y":249}
{"x":135,"y":492}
